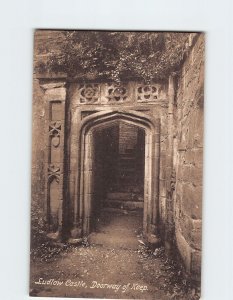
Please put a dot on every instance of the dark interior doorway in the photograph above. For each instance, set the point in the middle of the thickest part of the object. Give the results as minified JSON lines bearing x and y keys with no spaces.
{"x":118,"y":178}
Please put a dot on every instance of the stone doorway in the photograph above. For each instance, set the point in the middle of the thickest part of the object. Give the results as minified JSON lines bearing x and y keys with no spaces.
{"x":118,"y":164}
{"x":135,"y":186}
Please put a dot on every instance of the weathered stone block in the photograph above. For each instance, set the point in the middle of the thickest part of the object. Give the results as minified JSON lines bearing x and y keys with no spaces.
{"x":162,"y":171}
{"x":186,"y":226}
{"x":162,"y":188}
{"x":55,"y":94}
{"x":192,"y":200}
{"x":191,"y":230}
{"x":198,"y":157}
{"x":199,"y":127}
{"x":162,"y":209}
{"x":163,"y":143}
{"x":189,"y":156}
{"x":194,"y":156}
{"x":179,"y":190}
{"x":196,"y":234}
{"x":196,"y":264}
{"x":182,"y":145}
{"x":179,"y":174}
{"x":196,"y":175}
{"x":191,"y":128}
{"x":184,"y":250}
{"x":52,"y":85}
{"x":185,"y":173}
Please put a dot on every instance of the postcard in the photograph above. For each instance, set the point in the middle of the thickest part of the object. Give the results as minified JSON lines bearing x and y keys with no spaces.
{"x":117,"y":164}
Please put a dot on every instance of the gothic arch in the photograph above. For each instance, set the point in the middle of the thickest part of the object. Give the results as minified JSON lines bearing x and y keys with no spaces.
{"x":82,"y":209}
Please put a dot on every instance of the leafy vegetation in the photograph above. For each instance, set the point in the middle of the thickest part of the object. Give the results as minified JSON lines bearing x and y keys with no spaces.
{"x":103,"y":55}
{"x":38,"y":228}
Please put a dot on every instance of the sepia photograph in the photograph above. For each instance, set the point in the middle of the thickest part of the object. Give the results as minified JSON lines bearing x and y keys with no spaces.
{"x":117,"y":164}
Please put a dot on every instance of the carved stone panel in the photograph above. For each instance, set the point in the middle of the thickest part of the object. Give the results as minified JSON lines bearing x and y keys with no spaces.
{"x":110,"y":93}
{"x":117,"y":93}
{"x":88,"y":93}
{"x":147,"y":93}
{"x":53,"y":173}
{"x":54,"y":132}
{"x":55,"y":115}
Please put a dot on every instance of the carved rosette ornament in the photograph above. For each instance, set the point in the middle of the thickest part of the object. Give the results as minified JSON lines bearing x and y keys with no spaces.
{"x":117,"y":93}
{"x":89,"y":93}
{"x":146,"y":93}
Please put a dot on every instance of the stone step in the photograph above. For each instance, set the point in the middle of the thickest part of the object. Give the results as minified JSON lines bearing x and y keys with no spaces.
{"x":135,"y":198}
{"x":126,"y":177}
{"x":129,"y":151}
{"x":128,"y":184}
{"x":120,"y":211}
{"x":127,"y":170}
{"x":121,"y":204}
{"x":127,"y":167}
{"x":126,"y":181}
{"x":127,"y":161}
{"x":127,"y":188}
{"x":127,"y":164}
{"x":119,"y":195}
{"x":127,"y":156}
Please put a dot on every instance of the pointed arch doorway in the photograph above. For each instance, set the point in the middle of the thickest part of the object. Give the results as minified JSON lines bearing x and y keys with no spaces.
{"x":84,"y":203}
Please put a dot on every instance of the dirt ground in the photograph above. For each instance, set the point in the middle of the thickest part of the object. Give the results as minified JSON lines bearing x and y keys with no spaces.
{"x":113,"y":263}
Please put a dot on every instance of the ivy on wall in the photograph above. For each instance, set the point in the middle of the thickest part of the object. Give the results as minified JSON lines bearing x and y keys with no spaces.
{"x":107,"y":55}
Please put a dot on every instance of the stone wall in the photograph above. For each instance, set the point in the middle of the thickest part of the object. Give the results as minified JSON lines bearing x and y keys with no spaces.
{"x":187,"y":160}
{"x":38,"y":144}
